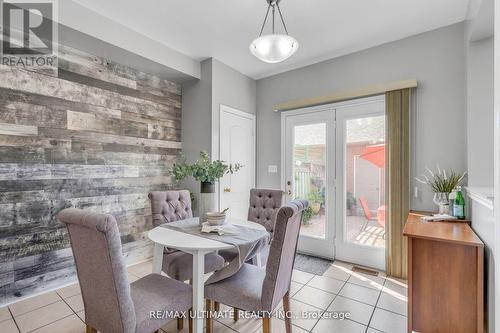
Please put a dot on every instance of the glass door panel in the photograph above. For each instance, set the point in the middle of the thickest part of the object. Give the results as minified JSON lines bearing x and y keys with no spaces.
{"x":309,"y":175}
{"x":309,"y":170}
{"x":361,"y":184}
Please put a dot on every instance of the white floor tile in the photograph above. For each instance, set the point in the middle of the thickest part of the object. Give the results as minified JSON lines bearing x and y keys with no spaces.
{"x":315,"y":297}
{"x":358,"y":293}
{"x":71,"y":324}
{"x":338,"y":272}
{"x":397,"y":286}
{"x":335,"y":325}
{"x":8,"y":326}
{"x":389,"y":322}
{"x":298,"y":309}
{"x":301,"y":277}
{"x":359,"y":312}
{"x":326,"y":283}
{"x":75,"y":303}
{"x":69,"y":291}
{"x":43,"y":316}
{"x":34,"y":303}
{"x":295,"y":287}
{"x":366,"y":280}
{"x":392,"y":301}
{"x":4,"y":314}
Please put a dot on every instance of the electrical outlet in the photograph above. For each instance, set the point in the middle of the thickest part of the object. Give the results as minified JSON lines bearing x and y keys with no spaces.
{"x":272,"y":169}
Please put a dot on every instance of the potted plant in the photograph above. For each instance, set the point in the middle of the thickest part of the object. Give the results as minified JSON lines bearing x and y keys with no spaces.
{"x":307,"y":216}
{"x":207,"y":172}
{"x":315,"y":200}
{"x":442,"y":183}
{"x":350,"y":204}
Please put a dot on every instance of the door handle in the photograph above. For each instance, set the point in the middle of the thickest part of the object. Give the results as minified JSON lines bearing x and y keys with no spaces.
{"x":227,"y":189}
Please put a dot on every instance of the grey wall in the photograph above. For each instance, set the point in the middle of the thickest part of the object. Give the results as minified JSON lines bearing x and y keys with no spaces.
{"x":480,"y":112}
{"x":435,"y":59}
{"x":231,"y":88}
{"x":201,"y":100}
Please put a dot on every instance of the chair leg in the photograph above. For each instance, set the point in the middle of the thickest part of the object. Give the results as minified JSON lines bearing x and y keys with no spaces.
{"x":266,"y":324}
{"x":286,"y":308}
{"x":217,"y":306}
{"x":210,"y":323}
{"x":90,"y":329}
{"x":236,"y":314}
{"x":190,"y":320}
{"x":180,"y":324}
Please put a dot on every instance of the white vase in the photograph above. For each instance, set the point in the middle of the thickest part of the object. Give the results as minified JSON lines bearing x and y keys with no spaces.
{"x":208,"y":200}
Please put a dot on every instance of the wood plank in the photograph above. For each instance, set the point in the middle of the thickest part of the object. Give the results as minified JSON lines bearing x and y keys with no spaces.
{"x":19,"y":130}
{"x":106,"y":138}
{"x":35,"y":83}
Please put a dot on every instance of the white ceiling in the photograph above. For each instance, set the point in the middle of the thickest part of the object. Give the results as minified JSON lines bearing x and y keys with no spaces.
{"x":223,"y":29}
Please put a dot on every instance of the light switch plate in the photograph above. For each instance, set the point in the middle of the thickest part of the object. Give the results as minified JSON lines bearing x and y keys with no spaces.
{"x":272,"y":169}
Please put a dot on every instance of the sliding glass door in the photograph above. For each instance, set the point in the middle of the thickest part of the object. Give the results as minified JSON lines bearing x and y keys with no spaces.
{"x":334,"y":157}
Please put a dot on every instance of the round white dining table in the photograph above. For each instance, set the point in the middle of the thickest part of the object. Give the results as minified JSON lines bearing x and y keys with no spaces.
{"x":198,"y":246}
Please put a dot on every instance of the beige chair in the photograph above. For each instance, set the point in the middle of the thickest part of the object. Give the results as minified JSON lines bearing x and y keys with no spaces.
{"x":261,"y":289}
{"x":112,"y":305}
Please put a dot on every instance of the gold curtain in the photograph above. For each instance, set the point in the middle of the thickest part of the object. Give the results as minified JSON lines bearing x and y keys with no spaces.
{"x":397,"y":179}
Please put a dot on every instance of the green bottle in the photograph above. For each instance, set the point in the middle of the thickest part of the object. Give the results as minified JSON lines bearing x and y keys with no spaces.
{"x":459,"y":205}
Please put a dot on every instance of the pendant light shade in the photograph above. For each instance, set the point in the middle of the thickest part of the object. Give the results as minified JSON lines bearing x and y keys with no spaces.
{"x":273,"y":48}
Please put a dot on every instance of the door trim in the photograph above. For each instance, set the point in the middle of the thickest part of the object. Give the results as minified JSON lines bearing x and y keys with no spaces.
{"x":242,"y":114}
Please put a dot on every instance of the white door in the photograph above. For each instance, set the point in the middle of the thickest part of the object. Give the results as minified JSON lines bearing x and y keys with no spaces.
{"x":237,"y":145}
{"x":360,"y":219}
{"x":309,"y":173}
{"x":334,"y":157}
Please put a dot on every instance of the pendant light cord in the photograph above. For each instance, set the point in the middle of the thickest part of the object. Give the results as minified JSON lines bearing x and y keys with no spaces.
{"x":265,"y":19}
{"x":281,"y":16}
{"x":273,"y":4}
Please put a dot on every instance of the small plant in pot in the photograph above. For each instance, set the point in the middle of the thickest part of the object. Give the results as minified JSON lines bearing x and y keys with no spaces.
{"x":316,"y":199}
{"x":442,"y":183}
{"x":207,"y":172}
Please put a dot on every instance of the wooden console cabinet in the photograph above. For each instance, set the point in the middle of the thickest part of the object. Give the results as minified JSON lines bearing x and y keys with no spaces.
{"x":445,"y":277}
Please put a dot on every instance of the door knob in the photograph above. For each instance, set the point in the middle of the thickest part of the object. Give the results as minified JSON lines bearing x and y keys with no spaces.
{"x":227,"y":189}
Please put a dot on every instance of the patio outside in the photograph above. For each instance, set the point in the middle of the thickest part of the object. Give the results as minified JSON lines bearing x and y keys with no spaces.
{"x":365,"y":170}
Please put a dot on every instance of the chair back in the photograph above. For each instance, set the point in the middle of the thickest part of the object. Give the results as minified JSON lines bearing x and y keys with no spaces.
{"x":170,"y":206}
{"x":264,"y":206}
{"x":282,"y":253}
{"x":101,"y":270}
{"x":366,"y":209}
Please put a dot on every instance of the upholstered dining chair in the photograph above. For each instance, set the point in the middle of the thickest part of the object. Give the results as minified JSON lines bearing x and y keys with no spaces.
{"x":263,"y":208}
{"x":112,"y":305}
{"x":170,"y":206}
{"x":260,"y":289}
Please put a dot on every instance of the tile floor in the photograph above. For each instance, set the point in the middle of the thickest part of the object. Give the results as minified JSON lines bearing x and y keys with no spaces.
{"x":375,"y":304}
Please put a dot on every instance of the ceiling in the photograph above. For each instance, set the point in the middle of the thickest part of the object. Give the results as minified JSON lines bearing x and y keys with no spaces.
{"x":223,"y":29}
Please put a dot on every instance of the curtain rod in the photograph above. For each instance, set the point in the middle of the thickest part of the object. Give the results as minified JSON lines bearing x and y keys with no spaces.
{"x":377,"y":89}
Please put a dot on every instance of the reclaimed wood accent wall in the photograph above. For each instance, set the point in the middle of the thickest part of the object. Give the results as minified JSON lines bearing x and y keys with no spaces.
{"x":98,"y":135}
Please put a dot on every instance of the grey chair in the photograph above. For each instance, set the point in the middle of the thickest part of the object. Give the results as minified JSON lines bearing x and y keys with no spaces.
{"x":112,"y":305}
{"x":261,"y":289}
{"x":263,"y":208}
{"x":170,"y":206}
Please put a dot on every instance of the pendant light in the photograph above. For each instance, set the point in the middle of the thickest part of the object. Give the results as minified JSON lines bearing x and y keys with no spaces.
{"x":274,"y":47}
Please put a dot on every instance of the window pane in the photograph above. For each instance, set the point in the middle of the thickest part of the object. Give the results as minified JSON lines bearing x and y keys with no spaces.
{"x":309,"y":177}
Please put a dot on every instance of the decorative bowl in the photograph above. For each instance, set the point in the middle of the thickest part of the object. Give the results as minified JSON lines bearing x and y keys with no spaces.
{"x":215,"y":218}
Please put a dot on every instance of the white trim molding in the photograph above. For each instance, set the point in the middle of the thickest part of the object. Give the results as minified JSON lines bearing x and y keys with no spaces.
{"x":482,"y":195}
